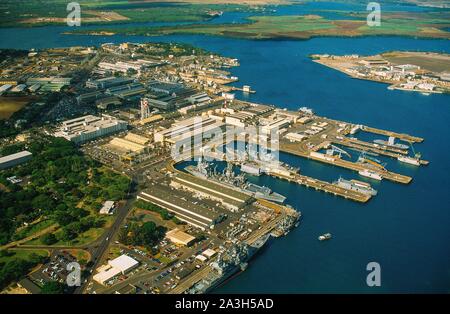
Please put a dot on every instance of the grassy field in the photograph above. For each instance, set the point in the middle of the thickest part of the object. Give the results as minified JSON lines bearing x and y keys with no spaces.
{"x":21,"y":254}
{"x":9,"y":105}
{"x":307,"y":26}
{"x":84,"y":238}
{"x":33,"y":228}
{"x":47,"y":12}
{"x":429,"y":61}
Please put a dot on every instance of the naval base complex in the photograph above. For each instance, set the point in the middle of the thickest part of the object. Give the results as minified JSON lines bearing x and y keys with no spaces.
{"x":170,"y":124}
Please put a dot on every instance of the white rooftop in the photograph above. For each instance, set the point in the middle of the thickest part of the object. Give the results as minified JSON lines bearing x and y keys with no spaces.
{"x":15,"y":156}
{"x":107,"y":206}
{"x":104,"y":276}
{"x":209,"y":253}
{"x":123,"y":263}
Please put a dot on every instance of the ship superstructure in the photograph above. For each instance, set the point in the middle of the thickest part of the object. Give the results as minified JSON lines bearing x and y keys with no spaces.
{"x":229,"y":262}
{"x":236,"y":181}
{"x":356,"y":185}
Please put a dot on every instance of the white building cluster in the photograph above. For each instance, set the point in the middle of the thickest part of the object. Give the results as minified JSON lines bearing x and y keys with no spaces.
{"x":89,"y":127}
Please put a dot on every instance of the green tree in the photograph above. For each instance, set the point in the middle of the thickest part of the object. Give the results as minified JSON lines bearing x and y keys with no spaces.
{"x":49,"y":239}
{"x":52,"y":287}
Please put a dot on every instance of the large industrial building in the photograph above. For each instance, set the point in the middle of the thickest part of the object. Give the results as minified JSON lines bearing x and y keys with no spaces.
{"x":120,"y":265}
{"x":108,"y":82}
{"x":129,"y":147}
{"x":89,"y":127}
{"x":137,"y":138}
{"x":14,"y":159}
{"x":53,"y":84}
{"x":275,"y":126}
{"x":124,"y":145}
{"x":128,"y":90}
{"x":186,"y":211}
{"x":179,"y":237}
{"x":169,"y":88}
{"x":231,"y":199}
{"x":89,"y":97}
{"x":183,"y":130}
{"x":120,"y":66}
{"x":168,"y":96}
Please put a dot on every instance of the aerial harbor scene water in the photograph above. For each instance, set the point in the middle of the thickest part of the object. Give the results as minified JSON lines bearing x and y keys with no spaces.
{"x":322,"y":147}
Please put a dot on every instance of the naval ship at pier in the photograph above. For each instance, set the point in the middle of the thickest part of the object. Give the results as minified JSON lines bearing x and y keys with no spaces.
{"x":237,"y":182}
{"x":228,"y":263}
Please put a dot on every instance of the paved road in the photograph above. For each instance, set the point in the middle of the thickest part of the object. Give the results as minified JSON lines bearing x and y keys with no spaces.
{"x":99,"y":251}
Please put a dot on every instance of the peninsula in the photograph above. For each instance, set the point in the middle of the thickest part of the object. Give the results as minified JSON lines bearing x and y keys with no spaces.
{"x":423,"y":72}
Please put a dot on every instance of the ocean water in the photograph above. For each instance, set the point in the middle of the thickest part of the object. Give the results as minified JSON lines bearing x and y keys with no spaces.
{"x":405,"y":228}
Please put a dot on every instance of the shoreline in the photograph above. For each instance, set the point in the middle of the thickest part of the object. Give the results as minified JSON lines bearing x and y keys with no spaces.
{"x":343,"y":65}
{"x":274,"y":38}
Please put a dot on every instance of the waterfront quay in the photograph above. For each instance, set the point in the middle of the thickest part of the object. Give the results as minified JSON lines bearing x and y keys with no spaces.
{"x":392,"y":176}
{"x":144,"y":110}
{"x":325,"y":187}
{"x":316,"y":138}
{"x":239,"y":205}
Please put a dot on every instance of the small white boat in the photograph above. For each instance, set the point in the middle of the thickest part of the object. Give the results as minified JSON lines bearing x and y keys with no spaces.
{"x":325,"y":236}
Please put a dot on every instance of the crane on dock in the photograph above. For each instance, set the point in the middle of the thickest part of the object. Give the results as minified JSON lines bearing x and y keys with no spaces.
{"x":364,"y":158}
{"x":417,"y":155}
{"x":338,"y":150}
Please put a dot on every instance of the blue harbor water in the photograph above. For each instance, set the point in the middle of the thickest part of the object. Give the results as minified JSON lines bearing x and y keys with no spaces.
{"x":405,"y":228}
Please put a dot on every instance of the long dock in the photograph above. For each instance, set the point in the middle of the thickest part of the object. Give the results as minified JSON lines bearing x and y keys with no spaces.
{"x":401,"y":136}
{"x":364,"y":146}
{"x":388,"y":175}
{"x":357,"y":144}
{"x":266,"y":228}
{"x":311,"y":182}
{"x":325,"y":187}
{"x":191,"y":280}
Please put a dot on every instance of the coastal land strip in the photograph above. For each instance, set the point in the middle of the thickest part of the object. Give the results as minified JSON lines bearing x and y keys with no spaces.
{"x":424,"y":25}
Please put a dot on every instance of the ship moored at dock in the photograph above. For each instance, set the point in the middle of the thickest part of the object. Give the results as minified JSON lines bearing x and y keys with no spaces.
{"x":356,"y":185}
{"x":370,"y":174}
{"x":409,"y":160}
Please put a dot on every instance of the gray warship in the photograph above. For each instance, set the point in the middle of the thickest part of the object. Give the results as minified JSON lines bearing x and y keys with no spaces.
{"x":237,"y":182}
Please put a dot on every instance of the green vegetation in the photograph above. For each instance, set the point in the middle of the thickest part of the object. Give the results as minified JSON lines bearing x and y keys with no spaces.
{"x":175,"y":49}
{"x":164,"y":213}
{"x":53,"y":287}
{"x":49,"y":239}
{"x":147,"y":234}
{"x":154,"y":208}
{"x":65,"y":189}
{"x":14,"y":266}
{"x":307,"y":26}
{"x":32,"y":229}
{"x":36,"y":12}
{"x":11,"y":255}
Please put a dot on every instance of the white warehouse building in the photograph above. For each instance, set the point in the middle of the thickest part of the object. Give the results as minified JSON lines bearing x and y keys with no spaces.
{"x":89,"y":127}
{"x":120,"y":265}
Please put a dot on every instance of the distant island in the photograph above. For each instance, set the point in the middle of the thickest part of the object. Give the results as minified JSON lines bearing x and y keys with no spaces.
{"x":423,"y":72}
{"x":262,"y":19}
{"x":32,"y":13}
{"x":424,"y":25}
